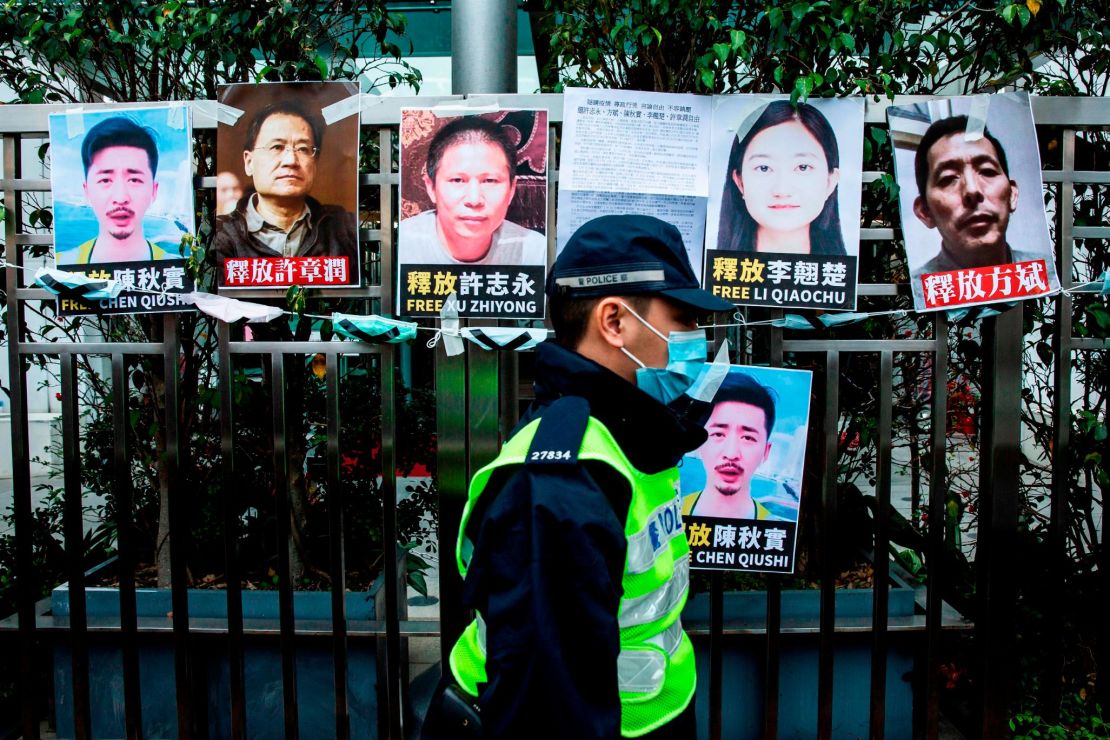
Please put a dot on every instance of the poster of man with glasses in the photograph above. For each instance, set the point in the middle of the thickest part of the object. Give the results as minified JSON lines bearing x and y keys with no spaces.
{"x":287,"y":176}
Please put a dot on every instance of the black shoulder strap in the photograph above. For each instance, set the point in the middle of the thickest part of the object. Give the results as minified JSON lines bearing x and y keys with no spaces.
{"x":562,"y":427}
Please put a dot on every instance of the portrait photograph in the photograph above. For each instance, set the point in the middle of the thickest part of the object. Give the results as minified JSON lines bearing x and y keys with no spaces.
{"x":287,"y":184}
{"x":122,"y":185}
{"x":473,"y":188}
{"x":748,"y":474}
{"x":971,"y":200}
{"x":473,"y":213}
{"x":785,"y":192}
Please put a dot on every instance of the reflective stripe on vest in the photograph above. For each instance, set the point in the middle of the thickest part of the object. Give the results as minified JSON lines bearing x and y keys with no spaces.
{"x":638,"y":669}
{"x":658,"y":603}
{"x":642,"y":670}
{"x":644,"y":546}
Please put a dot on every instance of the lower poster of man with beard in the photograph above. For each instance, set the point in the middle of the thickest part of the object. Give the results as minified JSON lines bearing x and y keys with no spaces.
{"x":740,"y":504}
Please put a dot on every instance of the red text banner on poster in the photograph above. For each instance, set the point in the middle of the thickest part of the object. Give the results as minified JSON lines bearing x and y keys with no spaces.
{"x":278,"y":272}
{"x":985,"y":284}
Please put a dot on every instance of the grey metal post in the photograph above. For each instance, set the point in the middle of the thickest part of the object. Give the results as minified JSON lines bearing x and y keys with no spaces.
{"x":483,"y":60}
{"x":483,"y":46}
{"x":999,"y":503}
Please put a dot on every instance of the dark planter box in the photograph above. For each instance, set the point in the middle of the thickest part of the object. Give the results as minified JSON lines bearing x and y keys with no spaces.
{"x":262,"y":665}
{"x":743,"y":658}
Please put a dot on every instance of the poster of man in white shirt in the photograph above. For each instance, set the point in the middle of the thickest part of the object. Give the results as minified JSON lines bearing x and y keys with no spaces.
{"x":473,"y":212}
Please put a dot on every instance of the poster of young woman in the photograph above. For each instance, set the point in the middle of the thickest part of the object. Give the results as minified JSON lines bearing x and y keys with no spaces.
{"x":473,"y":213}
{"x":782,"y":227}
{"x":742,"y":488}
{"x":971,"y":200}
{"x":287,"y":185}
{"x":122,"y":184}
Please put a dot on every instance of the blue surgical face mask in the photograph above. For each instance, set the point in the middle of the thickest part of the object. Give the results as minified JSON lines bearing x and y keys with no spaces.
{"x":686,"y":353}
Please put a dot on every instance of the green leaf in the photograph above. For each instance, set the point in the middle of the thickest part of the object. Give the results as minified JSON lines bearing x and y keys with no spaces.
{"x":708,"y":78}
{"x":417,"y":582}
{"x":848,"y":41}
{"x":322,"y":65}
{"x":722,"y":51}
{"x":295,"y":299}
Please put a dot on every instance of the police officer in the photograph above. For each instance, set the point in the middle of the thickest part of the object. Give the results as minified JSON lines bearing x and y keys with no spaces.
{"x":571,"y":545}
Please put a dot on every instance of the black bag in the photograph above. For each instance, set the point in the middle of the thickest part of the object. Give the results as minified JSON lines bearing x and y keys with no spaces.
{"x":453,"y":714}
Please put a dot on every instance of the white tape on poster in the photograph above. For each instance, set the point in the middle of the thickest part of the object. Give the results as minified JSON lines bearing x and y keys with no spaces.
{"x":75,"y":122}
{"x":228,"y":115}
{"x":977,"y":117}
{"x":206,"y":108}
{"x":341,"y":109}
{"x":175,"y":116}
{"x":449,"y":318}
{"x":475,"y":104}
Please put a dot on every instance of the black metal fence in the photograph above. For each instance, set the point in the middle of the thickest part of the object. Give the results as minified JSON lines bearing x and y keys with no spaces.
{"x":477,"y":401}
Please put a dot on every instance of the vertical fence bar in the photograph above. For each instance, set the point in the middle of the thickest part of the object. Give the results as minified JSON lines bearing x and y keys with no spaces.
{"x":337,"y":551}
{"x":125,"y":526}
{"x":179,"y":531}
{"x":394,"y":670}
{"x":716,"y":648}
{"x":716,"y":619}
{"x":385,"y":194}
{"x":1061,"y":422}
{"x":774,"y":604}
{"x":230,"y":504}
{"x":998,"y":515}
{"x":451,"y":479}
{"x":482,"y":415}
{"x":395,"y":689}
{"x":938,"y":488}
{"x":287,"y":626}
{"x":75,"y":548}
{"x":26,"y":581}
{"x":826,"y":540}
{"x":881,"y":586}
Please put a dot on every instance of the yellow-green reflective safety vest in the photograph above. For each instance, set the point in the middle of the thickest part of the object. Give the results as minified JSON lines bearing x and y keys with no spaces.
{"x":655,"y":669}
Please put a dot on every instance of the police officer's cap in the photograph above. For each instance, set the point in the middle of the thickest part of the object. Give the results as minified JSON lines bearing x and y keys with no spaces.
{"x":629,"y":255}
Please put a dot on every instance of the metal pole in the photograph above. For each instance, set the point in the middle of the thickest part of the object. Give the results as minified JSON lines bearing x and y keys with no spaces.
{"x":998,"y":518}
{"x":483,"y":46}
{"x":483,"y":60}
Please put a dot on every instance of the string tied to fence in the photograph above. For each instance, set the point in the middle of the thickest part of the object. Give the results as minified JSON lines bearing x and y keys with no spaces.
{"x":384,"y":329}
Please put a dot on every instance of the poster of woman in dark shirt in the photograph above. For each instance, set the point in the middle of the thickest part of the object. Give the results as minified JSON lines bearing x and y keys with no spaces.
{"x":785,"y":230}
